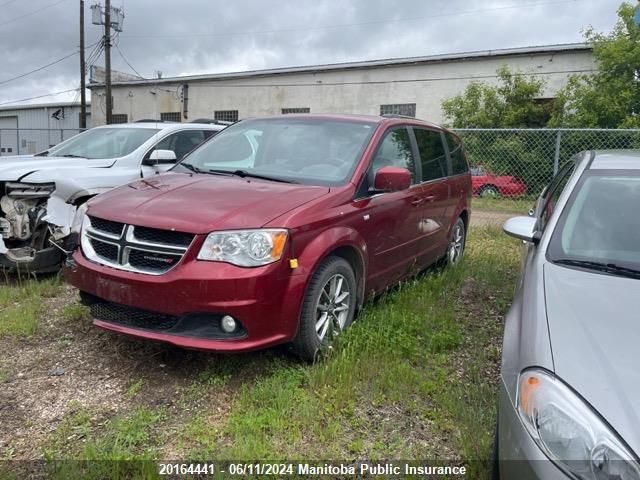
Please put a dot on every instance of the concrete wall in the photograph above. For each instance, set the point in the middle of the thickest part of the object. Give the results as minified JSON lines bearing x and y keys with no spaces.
{"x":354,"y":90}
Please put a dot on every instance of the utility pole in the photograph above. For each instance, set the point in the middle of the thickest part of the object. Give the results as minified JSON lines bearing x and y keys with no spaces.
{"x":83,"y":69}
{"x":107,"y":58}
{"x":113,"y":18}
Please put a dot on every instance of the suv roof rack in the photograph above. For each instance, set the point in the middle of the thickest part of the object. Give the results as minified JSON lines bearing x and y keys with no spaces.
{"x":152,"y":120}
{"x":212,"y":121}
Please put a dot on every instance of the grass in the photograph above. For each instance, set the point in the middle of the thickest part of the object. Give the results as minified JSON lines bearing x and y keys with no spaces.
{"x":503,"y":204}
{"x":21,"y":304}
{"x":414,"y":378}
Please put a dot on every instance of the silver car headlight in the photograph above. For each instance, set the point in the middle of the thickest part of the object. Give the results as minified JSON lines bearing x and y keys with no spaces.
{"x":570,"y":433}
{"x":244,"y":248}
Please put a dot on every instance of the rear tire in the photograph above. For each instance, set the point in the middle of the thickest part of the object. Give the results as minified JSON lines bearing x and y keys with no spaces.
{"x":328,"y":307}
{"x":457,"y":241}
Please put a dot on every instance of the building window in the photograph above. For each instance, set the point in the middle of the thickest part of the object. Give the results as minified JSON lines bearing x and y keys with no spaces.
{"x":170,"y":116}
{"x":226,"y":115}
{"x":296,"y":110}
{"x":119,"y":118}
{"x":404,"y":109}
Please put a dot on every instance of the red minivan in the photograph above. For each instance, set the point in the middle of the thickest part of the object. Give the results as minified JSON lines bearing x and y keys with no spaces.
{"x":276,"y":230}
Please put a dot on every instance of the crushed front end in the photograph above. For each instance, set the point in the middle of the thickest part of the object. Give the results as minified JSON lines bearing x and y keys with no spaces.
{"x":24,"y":232}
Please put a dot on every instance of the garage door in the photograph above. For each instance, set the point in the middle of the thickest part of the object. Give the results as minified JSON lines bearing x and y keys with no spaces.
{"x":8,"y":136}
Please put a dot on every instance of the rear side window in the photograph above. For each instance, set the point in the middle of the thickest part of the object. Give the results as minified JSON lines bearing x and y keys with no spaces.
{"x":395,"y":151}
{"x":433,"y":158}
{"x":458,"y":160}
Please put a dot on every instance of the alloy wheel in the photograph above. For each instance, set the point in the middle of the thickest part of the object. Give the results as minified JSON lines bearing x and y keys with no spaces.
{"x":332,"y":309}
{"x":456,"y":244}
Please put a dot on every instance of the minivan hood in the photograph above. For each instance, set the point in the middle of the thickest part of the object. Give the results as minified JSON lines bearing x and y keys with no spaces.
{"x":594,"y":326}
{"x":201,"y":203}
{"x":15,"y":167}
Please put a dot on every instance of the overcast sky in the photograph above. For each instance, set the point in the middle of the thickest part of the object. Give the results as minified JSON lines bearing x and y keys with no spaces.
{"x":200,"y":36}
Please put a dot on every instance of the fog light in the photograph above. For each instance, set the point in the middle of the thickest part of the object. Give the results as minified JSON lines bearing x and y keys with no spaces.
{"x":228,"y":324}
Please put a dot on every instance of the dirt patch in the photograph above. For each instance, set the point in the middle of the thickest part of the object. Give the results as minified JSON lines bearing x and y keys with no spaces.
{"x":70,"y":364}
{"x":489,"y":219}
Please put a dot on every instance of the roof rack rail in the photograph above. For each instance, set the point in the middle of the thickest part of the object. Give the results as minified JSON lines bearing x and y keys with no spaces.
{"x":212,"y":121}
{"x":395,"y":115}
{"x":151,"y":120}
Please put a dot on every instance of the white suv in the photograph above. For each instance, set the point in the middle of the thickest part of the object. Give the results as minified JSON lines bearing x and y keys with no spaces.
{"x":41,"y":194}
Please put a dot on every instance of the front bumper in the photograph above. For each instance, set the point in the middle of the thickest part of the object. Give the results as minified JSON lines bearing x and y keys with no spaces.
{"x":265,"y":300}
{"x":46,"y":260}
{"x":519,"y":456}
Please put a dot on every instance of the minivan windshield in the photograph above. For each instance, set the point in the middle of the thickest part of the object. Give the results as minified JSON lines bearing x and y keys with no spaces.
{"x":312,"y":151}
{"x":598,"y":229}
{"x":111,"y":142}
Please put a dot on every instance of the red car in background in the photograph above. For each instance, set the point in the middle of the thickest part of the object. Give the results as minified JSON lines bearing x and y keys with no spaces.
{"x":487,"y":184}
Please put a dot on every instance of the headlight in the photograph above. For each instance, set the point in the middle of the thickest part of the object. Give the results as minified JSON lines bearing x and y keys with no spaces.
{"x":244,"y":248}
{"x":570,"y":432}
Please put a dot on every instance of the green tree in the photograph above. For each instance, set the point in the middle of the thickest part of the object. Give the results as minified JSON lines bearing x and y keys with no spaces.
{"x":509,"y":104}
{"x":609,"y":98}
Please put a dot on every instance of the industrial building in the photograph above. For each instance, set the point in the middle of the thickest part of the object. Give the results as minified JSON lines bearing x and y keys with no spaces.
{"x":412,"y":86}
{"x":28,"y":129}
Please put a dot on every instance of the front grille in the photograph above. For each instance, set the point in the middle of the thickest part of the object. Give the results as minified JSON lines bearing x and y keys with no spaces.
{"x":105,"y":250}
{"x":152,"y":261}
{"x":132,"y":317}
{"x":135,"y":249}
{"x":168,"y":237}
{"x":107,"y":226}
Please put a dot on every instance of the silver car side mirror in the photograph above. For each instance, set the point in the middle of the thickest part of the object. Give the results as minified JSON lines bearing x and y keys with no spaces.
{"x":523,"y":228}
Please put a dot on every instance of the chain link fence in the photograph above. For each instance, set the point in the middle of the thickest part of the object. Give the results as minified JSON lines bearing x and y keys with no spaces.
{"x":27,"y":141}
{"x":510,"y":167}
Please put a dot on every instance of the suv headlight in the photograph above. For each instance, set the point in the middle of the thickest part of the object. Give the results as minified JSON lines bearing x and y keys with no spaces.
{"x":244,"y":248}
{"x":570,"y":433}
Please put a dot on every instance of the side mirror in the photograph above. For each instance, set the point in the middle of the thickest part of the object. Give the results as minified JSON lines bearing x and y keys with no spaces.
{"x":392,"y":179}
{"x":522,"y":228}
{"x":158,"y":157}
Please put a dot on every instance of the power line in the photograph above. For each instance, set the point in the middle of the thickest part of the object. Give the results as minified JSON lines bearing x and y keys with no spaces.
{"x":38,"y":69}
{"x":346,"y":25}
{"x":127,"y":62}
{"x":7,"y":3}
{"x":39,"y":96}
{"x":32,"y":13}
{"x":2,"y":82}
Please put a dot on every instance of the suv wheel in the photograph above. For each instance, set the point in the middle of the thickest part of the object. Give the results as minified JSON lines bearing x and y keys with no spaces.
{"x":455,"y":249}
{"x":328,"y":307}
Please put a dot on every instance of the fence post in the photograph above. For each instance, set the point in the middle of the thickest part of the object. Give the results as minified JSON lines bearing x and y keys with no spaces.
{"x":556,"y":158}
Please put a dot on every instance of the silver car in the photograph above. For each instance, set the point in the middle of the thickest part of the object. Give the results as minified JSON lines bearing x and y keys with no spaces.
{"x":569,"y":402}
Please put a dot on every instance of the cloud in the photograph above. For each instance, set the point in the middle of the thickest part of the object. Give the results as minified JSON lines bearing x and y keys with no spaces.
{"x":207,"y":36}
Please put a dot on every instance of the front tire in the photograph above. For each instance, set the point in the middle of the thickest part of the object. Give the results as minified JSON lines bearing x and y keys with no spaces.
{"x":328,"y":307}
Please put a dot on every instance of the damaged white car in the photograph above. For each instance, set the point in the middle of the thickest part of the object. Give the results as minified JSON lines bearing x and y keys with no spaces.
{"x":42,"y":195}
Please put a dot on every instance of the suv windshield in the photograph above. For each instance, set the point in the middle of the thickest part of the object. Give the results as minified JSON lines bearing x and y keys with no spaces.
{"x":599,"y":229}
{"x":103,"y":143}
{"x":301,"y":150}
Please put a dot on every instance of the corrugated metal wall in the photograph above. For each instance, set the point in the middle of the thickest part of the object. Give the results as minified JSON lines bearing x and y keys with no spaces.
{"x":38,"y":127}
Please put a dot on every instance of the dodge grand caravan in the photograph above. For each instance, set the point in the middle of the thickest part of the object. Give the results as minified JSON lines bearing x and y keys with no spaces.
{"x":275,"y":230}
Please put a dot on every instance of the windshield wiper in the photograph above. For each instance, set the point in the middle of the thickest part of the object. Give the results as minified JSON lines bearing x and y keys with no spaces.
{"x":600,"y":266}
{"x":71,"y":155}
{"x":245,"y":173}
{"x":188,"y":166}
